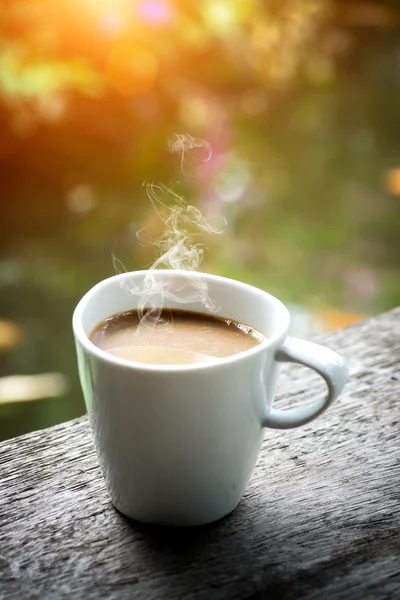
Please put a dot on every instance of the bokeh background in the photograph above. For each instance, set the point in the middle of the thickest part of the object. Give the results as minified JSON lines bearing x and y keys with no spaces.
{"x":299,"y":100}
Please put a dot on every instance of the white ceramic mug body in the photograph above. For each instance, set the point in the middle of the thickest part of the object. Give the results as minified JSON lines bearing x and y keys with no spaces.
{"x":178,"y":444}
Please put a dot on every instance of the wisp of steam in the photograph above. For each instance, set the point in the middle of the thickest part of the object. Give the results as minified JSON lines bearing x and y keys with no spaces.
{"x":184,"y":144}
{"x":178,"y":247}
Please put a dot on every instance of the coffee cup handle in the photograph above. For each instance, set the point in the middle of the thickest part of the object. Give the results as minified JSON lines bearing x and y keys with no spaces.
{"x":326,"y":363}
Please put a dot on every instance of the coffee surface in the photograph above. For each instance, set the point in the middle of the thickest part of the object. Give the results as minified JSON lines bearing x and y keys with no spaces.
{"x":180,"y":337}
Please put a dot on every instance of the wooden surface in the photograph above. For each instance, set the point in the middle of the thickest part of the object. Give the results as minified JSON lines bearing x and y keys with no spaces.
{"x":320,"y":518}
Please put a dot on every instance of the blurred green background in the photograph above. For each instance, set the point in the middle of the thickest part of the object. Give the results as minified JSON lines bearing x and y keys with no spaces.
{"x":299,"y":100}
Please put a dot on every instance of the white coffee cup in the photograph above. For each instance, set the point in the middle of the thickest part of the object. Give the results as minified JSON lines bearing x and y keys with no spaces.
{"x":177,"y":444}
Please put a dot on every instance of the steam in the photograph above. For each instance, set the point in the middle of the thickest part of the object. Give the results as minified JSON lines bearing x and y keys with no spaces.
{"x":178,"y":248}
{"x":182,"y":144}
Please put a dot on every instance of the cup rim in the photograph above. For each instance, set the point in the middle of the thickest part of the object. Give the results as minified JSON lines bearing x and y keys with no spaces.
{"x":83,"y":339}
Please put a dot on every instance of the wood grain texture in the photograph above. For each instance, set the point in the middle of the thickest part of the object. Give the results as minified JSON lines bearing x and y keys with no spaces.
{"x":320,"y":518}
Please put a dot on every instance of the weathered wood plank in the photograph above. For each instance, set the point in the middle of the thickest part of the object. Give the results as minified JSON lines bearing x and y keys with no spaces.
{"x":320,"y":519}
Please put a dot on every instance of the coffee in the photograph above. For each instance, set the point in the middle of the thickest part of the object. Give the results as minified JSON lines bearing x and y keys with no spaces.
{"x":178,"y":337}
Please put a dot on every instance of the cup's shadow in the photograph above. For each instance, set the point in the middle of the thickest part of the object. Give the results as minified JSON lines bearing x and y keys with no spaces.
{"x":179,"y":539}
{"x":211,"y":557}
{"x":251,"y":554}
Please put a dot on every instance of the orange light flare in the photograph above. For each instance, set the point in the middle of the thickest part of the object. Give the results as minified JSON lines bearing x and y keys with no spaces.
{"x":98,"y":14}
{"x":150,"y":12}
{"x":132,"y":68}
{"x":392,"y":181}
{"x":333,"y":319}
{"x":89,"y":27}
{"x":132,"y":61}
